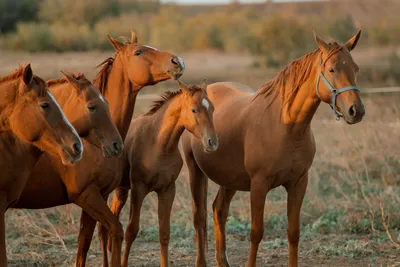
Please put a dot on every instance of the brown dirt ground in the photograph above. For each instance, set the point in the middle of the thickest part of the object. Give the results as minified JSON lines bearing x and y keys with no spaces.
{"x":145,"y":254}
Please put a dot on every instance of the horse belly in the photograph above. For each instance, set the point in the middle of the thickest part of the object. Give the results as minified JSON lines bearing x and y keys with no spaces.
{"x":225,"y":167}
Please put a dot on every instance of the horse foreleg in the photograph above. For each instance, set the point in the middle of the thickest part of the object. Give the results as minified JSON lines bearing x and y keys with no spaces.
{"x":3,"y":251}
{"x":103,"y":238}
{"x":85,"y":238}
{"x":93,"y":203}
{"x":198,"y":187}
{"x":165,"y":201}
{"x":221,"y":210}
{"x":118,"y":202}
{"x":138,"y":193}
{"x":295,"y":199}
{"x":258,"y":193}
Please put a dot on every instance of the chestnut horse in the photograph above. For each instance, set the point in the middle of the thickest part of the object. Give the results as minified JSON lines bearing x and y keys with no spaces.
{"x":154,"y":161}
{"x":31,"y":121}
{"x":266,"y":141}
{"x":89,"y":113}
{"x":89,"y":183}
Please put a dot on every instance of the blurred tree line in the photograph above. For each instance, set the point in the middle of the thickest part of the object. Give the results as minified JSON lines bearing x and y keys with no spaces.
{"x":81,"y":25}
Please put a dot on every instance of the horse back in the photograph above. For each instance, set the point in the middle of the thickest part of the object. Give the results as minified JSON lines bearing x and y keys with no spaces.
{"x":222,"y":92}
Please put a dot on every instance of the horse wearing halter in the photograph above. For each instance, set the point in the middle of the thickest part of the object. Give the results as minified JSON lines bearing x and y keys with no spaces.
{"x":335,"y":92}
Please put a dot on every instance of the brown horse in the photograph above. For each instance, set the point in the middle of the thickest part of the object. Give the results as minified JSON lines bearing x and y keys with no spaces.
{"x":153,"y":161}
{"x":266,"y":141}
{"x":30,"y":118}
{"x":90,"y":182}
{"x":88,"y":111}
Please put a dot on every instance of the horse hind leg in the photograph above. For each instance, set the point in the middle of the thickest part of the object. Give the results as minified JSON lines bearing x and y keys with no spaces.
{"x":220,"y":212}
{"x":165,"y":201}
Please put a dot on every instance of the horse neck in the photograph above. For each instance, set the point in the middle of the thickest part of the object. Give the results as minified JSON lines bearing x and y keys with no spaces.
{"x":300,"y":111}
{"x":8,"y":91}
{"x":298,"y":107}
{"x":16,"y":150}
{"x":167,"y":121}
{"x":121,"y":95}
{"x":61,"y":92}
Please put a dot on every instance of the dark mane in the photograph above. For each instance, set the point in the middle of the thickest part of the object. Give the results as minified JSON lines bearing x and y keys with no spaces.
{"x":100,"y":81}
{"x":166,"y":96}
{"x":288,"y":81}
{"x":78,"y":76}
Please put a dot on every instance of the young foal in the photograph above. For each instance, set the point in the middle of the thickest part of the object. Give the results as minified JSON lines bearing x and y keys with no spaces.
{"x":153,"y":159}
{"x":266,"y":141}
{"x":89,"y":183}
{"x":30,"y":118}
{"x":89,"y":113}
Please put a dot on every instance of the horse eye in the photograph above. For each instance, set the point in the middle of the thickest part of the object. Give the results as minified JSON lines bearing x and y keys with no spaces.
{"x":194,"y":110}
{"x":332,"y":70}
{"x":91,"y":108}
{"x":138,"y":52}
{"x":44,"y":105}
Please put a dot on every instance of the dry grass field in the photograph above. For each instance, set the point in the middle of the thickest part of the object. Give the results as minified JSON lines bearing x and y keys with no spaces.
{"x":350,"y":209}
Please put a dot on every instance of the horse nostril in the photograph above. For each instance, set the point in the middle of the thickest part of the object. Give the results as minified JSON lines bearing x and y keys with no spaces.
{"x":210,"y":142}
{"x":175,"y":61}
{"x":352,"y":111}
{"x":77,"y":148}
{"x":116,"y":146}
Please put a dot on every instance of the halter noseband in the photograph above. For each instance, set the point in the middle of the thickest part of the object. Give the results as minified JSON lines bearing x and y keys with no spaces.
{"x":335,"y":92}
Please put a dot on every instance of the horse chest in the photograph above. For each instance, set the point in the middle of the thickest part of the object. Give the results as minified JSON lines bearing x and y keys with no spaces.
{"x":157,"y":171}
{"x":13,"y":182}
{"x":293,"y":155}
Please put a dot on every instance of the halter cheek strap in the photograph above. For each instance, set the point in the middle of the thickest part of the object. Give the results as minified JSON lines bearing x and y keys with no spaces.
{"x":335,"y":92}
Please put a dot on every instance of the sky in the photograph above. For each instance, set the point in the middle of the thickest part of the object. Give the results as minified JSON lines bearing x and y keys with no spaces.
{"x":222,"y":1}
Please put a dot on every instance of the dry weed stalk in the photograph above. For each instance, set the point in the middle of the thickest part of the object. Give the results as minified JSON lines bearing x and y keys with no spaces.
{"x":397,"y":245}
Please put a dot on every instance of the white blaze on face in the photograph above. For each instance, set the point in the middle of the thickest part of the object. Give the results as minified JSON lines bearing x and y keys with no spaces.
{"x":102,"y":98}
{"x":205,"y":103}
{"x":181,"y":63}
{"x":63,"y":116}
{"x":151,"y":47}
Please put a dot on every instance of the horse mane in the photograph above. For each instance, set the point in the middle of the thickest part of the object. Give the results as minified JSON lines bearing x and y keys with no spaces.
{"x":289,"y":80}
{"x":18,"y":73}
{"x":78,"y":76}
{"x":101,"y":78}
{"x":14,"y":75}
{"x":167,"y":96}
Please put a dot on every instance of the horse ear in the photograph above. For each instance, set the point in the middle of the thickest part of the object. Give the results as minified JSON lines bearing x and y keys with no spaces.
{"x":134,"y":38}
{"x":27,"y":74}
{"x":183,"y":87}
{"x":351,"y":44}
{"x":74,"y":82}
{"x":321,"y":44}
{"x":117,"y":44}
{"x":203,"y":84}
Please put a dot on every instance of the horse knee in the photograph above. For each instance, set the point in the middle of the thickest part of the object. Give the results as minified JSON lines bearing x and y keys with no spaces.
{"x":164,"y":239}
{"x":256,"y":234}
{"x":131,"y":231}
{"x":293,"y":236}
{"x":117,"y":231}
